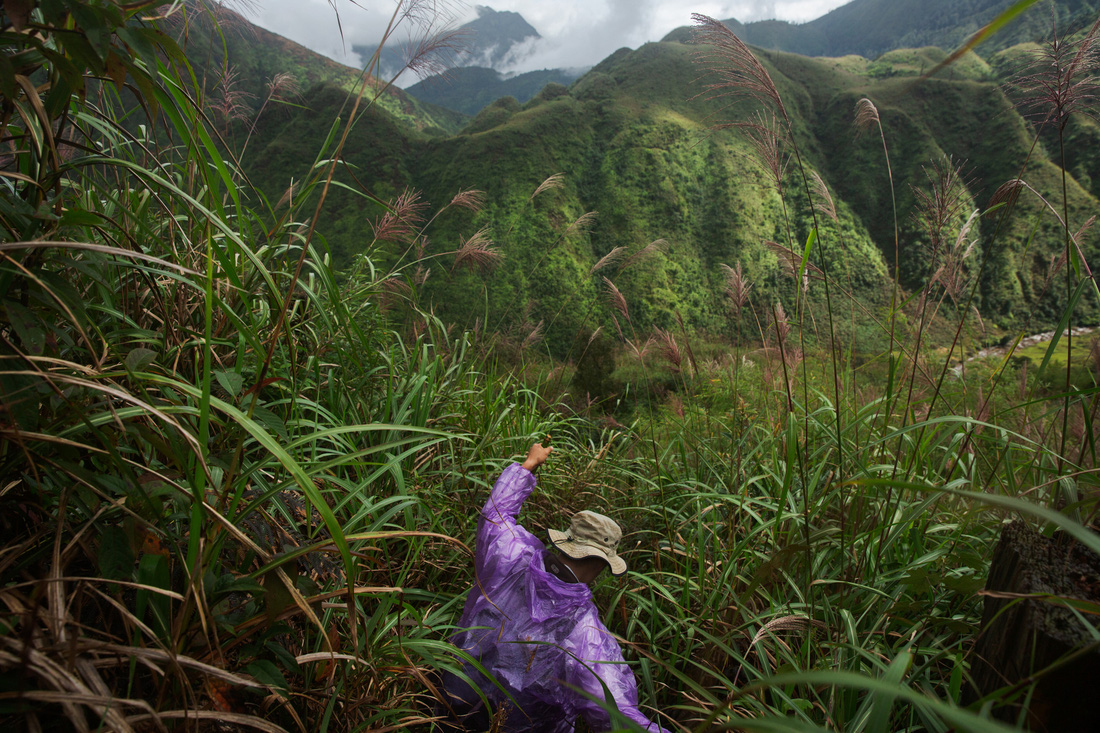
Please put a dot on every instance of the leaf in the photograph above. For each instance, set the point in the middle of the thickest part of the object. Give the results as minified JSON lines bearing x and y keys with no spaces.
{"x":271,"y":421}
{"x":153,"y":572}
{"x":806,"y":253}
{"x":231,"y":382}
{"x":232,"y":584}
{"x":27,"y":326}
{"x":80,"y":218}
{"x":20,"y":399}
{"x":116,"y":70}
{"x":983,"y":33}
{"x":964,"y":584}
{"x":285,"y":657}
{"x":139,"y":358}
{"x":1063,"y":324}
{"x":7,"y":77}
{"x":116,"y":558}
{"x":266,"y":672}
{"x":277,"y":598}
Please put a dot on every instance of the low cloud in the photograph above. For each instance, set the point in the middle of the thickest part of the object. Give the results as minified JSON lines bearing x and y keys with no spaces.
{"x":575,"y":33}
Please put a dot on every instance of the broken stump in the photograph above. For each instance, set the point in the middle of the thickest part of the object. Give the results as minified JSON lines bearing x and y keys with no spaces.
{"x":1023,"y":636}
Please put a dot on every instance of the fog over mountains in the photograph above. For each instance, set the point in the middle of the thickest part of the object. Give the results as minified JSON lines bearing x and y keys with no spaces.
{"x":501,"y":44}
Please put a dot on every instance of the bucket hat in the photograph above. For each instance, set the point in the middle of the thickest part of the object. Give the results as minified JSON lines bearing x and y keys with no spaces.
{"x":591,"y":535}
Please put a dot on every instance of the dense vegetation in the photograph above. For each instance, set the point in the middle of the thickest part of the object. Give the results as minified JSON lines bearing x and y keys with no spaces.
{"x":469,"y":89}
{"x":631,"y":139}
{"x":871,"y":28}
{"x":239,"y":480}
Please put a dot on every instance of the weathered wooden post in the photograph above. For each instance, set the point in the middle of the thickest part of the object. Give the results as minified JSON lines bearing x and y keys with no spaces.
{"x":1026,"y":629}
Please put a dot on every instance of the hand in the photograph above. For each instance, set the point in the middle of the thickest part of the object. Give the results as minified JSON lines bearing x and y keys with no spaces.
{"x":537,"y":456}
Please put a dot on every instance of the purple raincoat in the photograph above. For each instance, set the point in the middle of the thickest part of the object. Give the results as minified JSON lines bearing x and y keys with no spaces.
{"x":539,"y":635}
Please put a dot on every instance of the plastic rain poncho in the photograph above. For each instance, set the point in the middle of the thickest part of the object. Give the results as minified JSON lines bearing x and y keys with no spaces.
{"x":539,"y":636}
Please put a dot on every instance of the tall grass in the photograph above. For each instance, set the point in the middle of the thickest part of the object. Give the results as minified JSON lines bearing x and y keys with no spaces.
{"x":241,"y":484}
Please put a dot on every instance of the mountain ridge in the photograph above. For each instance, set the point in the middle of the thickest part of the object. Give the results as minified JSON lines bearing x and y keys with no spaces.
{"x":242,"y":59}
{"x":632,"y":137}
{"x":490,"y":41}
{"x":870,"y":28}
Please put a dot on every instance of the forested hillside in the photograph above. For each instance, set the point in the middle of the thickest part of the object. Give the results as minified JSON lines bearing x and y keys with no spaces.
{"x":241,"y":64}
{"x":633,"y":142}
{"x":263,"y":359}
{"x":870,"y":28}
{"x":469,"y":89}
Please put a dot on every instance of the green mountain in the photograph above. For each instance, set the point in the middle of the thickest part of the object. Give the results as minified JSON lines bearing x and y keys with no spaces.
{"x":469,"y":89}
{"x":241,"y":61}
{"x":634,"y":143}
{"x":870,"y":28}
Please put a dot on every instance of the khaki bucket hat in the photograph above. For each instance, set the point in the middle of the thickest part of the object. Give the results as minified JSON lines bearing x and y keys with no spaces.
{"x":591,"y":535}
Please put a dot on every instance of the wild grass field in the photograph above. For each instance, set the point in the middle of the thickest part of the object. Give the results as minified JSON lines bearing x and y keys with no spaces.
{"x":240,"y":485}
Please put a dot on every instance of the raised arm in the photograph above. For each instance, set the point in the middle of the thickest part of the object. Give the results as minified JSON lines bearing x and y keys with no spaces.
{"x":500,"y":538}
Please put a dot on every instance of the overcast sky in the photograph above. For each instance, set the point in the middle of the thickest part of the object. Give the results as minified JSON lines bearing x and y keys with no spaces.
{"x":575,"y":33}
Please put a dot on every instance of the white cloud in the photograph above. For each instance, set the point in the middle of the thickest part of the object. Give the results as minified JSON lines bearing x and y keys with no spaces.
{"x":575,"y":33}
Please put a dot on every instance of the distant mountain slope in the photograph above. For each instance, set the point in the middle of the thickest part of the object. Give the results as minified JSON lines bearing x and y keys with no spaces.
{"x":471,"y":88}
{"x":872,"y":27}
{"x":253,"y":57}
{"x":491,"y":40}
{"x":631,"y":137}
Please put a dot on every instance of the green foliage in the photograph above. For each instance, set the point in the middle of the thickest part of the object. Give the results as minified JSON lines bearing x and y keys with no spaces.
{"x":468,"y":89}
{"x":222,"y":45}
{"x":872,"y":28}
{"x":241,"y":482}
{"x":593,"y":378}
{"x":634,"y":150}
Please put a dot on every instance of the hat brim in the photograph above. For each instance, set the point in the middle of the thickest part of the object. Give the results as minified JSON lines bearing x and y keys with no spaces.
{"x":579,"y":551}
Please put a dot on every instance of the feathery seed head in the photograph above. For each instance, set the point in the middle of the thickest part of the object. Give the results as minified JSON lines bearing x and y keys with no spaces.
{"x":403,"y":218}
{"x":866,"y":115}
{"x":737,"y":287}
{"x":824,"y":201}
{"x":733,"y":68}
{"x":657,"y":245}
{"x":422,"y":275}
{"x":781,"y":325}
{"x":471,"y":199}
{"x":288,"y":194}
{"x":1006,"y":193}
{"x":228,"y":102}
{"x":670,"y":349}
{"x":533,"y":336}
{"x":1061,"y":78}
{"x":478,"y":252}
{"x":943,"y":201}
{"x":767,"y":136}
{"x":610,"y":258}
{"x":616,"y":300}
{"x":282,"y":87}
{"x":555,"y":181}
{"x":952,"y":270}
{"x":583,"y":223}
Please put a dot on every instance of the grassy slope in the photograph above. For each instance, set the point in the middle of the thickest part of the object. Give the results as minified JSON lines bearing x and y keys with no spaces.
{"x":469,"y":89}
{"x":655,"y":179}
{"x":637,"y":152}
{"x":257,"y":55}
{"x":634,"y":147}
{"x":872,"y":27}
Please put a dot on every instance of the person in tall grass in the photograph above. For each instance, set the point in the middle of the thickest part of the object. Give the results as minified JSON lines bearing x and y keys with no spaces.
{"x":531,"y":623}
